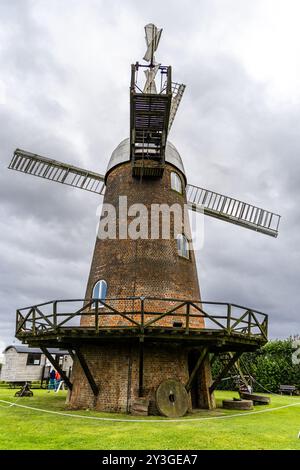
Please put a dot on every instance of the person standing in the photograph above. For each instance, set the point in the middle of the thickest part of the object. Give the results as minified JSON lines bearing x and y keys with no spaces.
{"x":57,"y":380}
{"x":51,"y":384}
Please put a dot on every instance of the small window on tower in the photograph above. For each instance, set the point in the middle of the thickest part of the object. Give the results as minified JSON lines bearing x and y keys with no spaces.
{"x":183,"y":246}
{"x":176,"y":183}
{"x":99,"y":291}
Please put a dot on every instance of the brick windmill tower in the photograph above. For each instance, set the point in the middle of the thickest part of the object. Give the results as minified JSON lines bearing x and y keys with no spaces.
{"x":142,"y":340}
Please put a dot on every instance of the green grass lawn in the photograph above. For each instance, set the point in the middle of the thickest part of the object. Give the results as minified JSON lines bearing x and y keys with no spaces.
{"x":22,"y":428}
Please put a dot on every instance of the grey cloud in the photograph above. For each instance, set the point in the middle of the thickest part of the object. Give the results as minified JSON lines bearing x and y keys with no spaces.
{"x":231,"y":137}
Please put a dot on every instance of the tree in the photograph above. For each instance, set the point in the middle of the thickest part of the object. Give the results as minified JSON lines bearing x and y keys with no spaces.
{"x":270,"y":366}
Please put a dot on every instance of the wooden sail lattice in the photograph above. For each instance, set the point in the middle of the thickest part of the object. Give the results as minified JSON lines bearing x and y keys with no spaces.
{"x":52,"y":170}
{"x":232,"y":210}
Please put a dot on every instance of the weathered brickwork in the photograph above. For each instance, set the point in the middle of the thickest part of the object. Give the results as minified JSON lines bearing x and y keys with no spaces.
{"x":142,"y":267}
{"x":116,"y":369}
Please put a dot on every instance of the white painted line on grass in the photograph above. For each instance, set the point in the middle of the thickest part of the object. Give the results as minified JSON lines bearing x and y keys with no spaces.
{"x":162,"y":420}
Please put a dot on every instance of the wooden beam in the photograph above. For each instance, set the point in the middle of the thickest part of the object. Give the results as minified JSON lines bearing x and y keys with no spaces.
{"x":226,"y":368}
{"x":213,"y":359}
{"x":141,"y":367}
{"x":240,"y":372}
{"x":71,"y":352}
{"x":198,"y":364}
{"x":87,"y":372}
{"x":57,"y":367}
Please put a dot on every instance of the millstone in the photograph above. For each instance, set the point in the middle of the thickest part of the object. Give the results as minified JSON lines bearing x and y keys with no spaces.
{"x":257,"y":399}
{"x":172,"y":399}
{"x":238,"y":404}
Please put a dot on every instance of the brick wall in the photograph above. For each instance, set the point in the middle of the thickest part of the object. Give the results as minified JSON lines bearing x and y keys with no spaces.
{"x":142,"y":267}
{"x":115,"y":369}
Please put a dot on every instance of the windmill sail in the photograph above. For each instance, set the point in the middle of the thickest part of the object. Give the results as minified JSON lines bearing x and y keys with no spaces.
{"x":199,"y":199}
{"x":150,"y":85}
{"x":177,"y":92}
{"x":152,"y":37}
{"x":232,"y":210}
{"x":53,"y":170}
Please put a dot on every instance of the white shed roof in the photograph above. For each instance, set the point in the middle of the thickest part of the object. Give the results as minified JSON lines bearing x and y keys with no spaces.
{"x":21,"y":348}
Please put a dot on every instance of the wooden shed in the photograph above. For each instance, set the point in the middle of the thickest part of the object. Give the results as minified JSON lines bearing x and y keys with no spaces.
{"x":23,"y":364}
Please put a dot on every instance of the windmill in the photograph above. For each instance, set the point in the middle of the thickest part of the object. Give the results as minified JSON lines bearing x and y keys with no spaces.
{"x":144,"y":340}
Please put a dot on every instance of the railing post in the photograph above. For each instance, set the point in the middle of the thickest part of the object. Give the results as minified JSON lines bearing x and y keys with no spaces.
{"x":97,"y":316}
{"x":33,"y":322}
{"x":228,"y":326}
{"x":249,"y":322}
{"x":266,"y":324}
{"x":17,"y":321}
{"x":187,"y":318}
{"x":142,"y":313}
{"x":55,"y":315}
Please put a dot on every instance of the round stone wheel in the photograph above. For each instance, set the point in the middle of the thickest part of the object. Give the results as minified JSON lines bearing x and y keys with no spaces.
{"x":172,"y":399}
{"x":238,"y":404}
{"x":257,"y":399}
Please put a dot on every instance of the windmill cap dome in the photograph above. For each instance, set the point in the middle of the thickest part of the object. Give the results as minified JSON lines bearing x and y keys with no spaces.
{"x":121,"y":154}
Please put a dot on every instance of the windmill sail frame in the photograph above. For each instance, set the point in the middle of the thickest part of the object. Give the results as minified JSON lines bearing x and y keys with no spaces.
{"x":200,"y":200}
{"x":232,"y":210}
{"x":52,"y":170}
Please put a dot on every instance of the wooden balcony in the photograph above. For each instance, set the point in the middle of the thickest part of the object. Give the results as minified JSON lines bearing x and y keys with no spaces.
{"x":219,"y":326}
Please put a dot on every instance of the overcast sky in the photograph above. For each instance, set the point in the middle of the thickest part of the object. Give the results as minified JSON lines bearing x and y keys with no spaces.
{"x":64,"y":80}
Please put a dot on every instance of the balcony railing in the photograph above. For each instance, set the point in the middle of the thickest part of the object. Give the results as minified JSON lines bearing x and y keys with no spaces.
{"x":140,"y":315}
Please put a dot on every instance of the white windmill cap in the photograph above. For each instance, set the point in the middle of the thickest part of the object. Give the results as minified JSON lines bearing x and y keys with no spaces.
{"x":121,"y":154}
